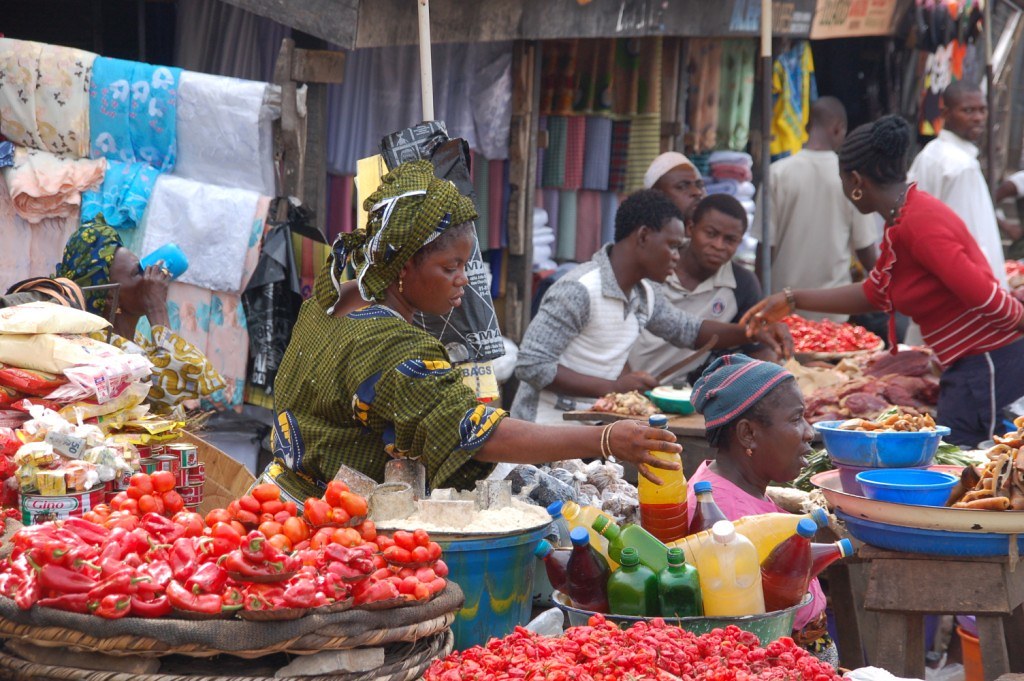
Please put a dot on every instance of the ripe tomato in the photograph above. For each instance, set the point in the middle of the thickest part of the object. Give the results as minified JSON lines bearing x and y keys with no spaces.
{"x":249,"y":503}
{"x":217,"y":515}
{"x":340,"y":516}
{"x":265,"y":517}
{"x":239,"y":528}
{"x":282,"y":516}
{"x":119,"y":498}
{"x":353,"y":504}
{"x":291,"y":507}
{"x":192,"y":522}
{"x":396,"y":554}
{"x":248,"y":519}
{"x":420,"y":555}
{"x":321,"y":538}
{"x":268,"y":491}
{"x":147,"y":503}
{"x":384,"y":541}
{"x":281,"y":542}
{"x":295,"y":529}
{"x":440,"y":568}
{"x":143,"y":482}
{"x":434,"y":550}
{"x":163,"y":481}
{"x":130,"y":506}
{"x":367,"y":530}
{"x":346,"y":536}
{"x":317,"y":511}
{"x":332,"y":495}
{"x":135,"y":492}
{"x":270,"y":528}
{"x":421,"y":537}
{"x":404,"y":539}
{"x":273,"y":507}
{"x":173,"y":502}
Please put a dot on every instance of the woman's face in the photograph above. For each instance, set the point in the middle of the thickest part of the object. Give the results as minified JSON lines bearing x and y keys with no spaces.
{"x":780,"y":448}
{"x":852,"y":180}
{"x":124,"y":270}
{"x":434,"y":283}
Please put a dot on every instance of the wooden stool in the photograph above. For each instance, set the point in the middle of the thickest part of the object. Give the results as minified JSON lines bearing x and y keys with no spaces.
{"x":902,"y":587}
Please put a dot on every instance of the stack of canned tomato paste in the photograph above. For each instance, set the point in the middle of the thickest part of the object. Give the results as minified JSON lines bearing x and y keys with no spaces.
{"x":181,"y":459}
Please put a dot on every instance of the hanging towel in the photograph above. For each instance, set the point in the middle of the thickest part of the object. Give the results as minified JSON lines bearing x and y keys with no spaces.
{"x":212,"y":225}
{"x":575,"y":147}
{"x":597,"y":156}
{"x":224,"y":132}
{"x":495,"y":202}
{"x":62,"y":100}
{"x":124,"y":195}
{"x":703,"y":65}
{"x":44,"y":185}
{"x":588,"y":225}
{"x":565,"y":248}
{"x":619,"y":155}
{"x":482,"y":188}
{"x":6,"y":154}
{"x":609,"y":206}
{"x":132,"y":112}
{"x":554,"y":156}
{"x":644,"y":147}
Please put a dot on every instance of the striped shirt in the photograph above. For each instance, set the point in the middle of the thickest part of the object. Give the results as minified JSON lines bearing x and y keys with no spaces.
{"x":932,"y":270}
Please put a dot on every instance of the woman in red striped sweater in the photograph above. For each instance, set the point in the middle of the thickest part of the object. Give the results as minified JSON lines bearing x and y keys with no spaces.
{"x":931,"y":270}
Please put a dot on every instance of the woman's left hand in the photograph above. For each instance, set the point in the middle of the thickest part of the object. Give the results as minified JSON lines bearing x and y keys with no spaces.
{"x":776,"y":336}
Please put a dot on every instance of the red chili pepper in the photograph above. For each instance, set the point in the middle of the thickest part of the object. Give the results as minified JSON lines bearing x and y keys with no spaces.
{"x":112,"y":606}
{"x":138,"y":541}
{"x":183,"y":599}
{"x":300,"y":594}
{"x":165,"y":530}
{"x":232,"y":598}
{"x":157,"y":607}
{"x":9,"y":584}
{"x":183,"y":559}
{"x":71,"y":602}
{"x":208,"y":578}
{"x":90,"y":533}
{"x":49,"y":552}
{"x":254,"y":547}
{"x":65,"y":581}
{"x":119,"y":582}
{"x":153,"y":577}
{"x":236,"y":562}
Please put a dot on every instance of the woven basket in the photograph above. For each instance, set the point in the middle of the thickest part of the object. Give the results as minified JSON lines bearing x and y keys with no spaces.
{"x":403,"y":662}
{"x":336,"y":632}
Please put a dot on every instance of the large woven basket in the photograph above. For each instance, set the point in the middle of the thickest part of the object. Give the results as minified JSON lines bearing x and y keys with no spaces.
{"x":155,"y":638}
{"x":403,"y":662}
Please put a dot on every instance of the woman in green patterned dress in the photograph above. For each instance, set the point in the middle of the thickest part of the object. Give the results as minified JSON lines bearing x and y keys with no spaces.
{"x":360,"y":383}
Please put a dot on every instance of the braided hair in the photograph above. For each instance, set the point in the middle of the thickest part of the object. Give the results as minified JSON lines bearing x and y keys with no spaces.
{"x":878,"y":150}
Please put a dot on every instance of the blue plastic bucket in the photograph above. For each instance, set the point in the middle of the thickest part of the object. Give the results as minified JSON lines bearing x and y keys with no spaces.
{"x":496,"y":575}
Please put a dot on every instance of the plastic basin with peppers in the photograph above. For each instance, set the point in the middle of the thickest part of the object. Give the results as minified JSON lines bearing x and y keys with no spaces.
{"x":767,"y":627}
{"x":907,"y":486}
{"x":880,"y":449}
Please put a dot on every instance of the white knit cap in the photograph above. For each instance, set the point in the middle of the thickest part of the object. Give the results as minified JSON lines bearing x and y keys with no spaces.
{"x":663,"y":164}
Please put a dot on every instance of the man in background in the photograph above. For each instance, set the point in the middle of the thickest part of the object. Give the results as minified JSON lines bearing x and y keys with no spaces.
{"x":676,"y":177}
{"x":815,"y":229}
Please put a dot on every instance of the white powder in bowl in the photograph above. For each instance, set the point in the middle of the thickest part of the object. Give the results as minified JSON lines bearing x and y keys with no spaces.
{"x":518,"y":516}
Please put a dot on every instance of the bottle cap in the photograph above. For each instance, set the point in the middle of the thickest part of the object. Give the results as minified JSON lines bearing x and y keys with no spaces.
{"x":579,"y":536}
{"x":676,"y":556}
{"x":657,"y":421}
{"x":845,"y":547}
{"x":600,"y":523}
{"x":555,"y":509}
{"x":543,"y":548}
{"x":806,"y":528}
{"x":629,"y":557}
{"x":701,"y":487}
{"x":723,"y":531}
{"x":820,"y":516}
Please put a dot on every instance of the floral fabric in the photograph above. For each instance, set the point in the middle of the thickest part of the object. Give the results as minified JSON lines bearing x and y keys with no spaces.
{"x":88,"y":255}
{"x":45,"y":185}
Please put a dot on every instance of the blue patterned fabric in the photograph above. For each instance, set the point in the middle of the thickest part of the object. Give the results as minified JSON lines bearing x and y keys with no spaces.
{"x":123,"y":196}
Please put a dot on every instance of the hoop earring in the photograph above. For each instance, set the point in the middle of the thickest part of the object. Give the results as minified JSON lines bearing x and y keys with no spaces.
{"x":857,"y":194}
{"x":749,"y":452}
{"x":400,"y":285}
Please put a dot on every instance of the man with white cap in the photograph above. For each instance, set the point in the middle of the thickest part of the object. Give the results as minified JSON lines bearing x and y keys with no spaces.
{"x":675,"y":176}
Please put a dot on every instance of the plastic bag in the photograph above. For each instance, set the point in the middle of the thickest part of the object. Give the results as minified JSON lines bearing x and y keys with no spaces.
{"x":52,"y":352}
{"x":30,"y":382}
{"x":43,"y":317}
{"x":549,"y":623}
{"x":130,"y":397}
{"x":109,"y":377}
{"x":533,"y":484}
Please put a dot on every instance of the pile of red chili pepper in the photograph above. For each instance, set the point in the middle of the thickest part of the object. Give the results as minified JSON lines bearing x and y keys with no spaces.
{"x":601,"y":651}
{"x":828,"y":336}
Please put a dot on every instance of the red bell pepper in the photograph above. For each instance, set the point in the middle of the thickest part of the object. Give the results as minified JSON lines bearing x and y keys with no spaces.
{"x":49,"y":552}
{"x":183,"y":559}
{"x":300,"y":594}
{"x":232,"y":598}
{"x":255,"y":548}
{"x":235,"y":562}
{"x":208,"y":578}
{"x":162,"y":528}
{"x":263,"y":597}
{"x":112,"y":606}
{"x":119,"y":582}
{"x":152,"y":578}
{"x":71,"y":602}
{"x":156,"y":607}
{"x":138,"y":541}
{"x":183,"y":599}
{"x":90,"y":532}
{"x":64,"y":581}
{"x":9,"y":584}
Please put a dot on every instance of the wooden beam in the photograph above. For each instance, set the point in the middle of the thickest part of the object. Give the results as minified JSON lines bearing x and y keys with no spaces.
{"x":332,"y":20}
{"x":318,"y":66}
{"x":288,"y":149}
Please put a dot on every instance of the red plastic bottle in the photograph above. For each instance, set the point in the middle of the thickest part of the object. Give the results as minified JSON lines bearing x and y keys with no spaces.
{"x":587,"y":573}
{"x":823,"y":555}
{"x":555,"y":564}
{"x":786,"y":572}
{"x":706,"y":513}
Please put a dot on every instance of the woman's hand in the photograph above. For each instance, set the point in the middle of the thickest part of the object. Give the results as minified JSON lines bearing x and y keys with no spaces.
{"x":155,"y":281}
{"x":776,"y":337}
{"x":764,"y":312}
{"x":633,"y":441}
{"x":636,"y":380}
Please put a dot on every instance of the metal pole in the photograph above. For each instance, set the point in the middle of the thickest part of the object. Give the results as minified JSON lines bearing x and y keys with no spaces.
{"x":426,"y":72}
{"x":990,"y":101}
{"x":766,"y":142}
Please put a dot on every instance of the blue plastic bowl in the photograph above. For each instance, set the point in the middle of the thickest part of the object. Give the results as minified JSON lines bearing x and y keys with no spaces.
{"x":873,"y":449}
{"x":907,"y":486}
{"x":930,"y":542}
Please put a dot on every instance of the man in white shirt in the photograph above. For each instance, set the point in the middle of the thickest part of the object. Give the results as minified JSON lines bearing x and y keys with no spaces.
{"x":948,"y":169}
{"x":815,"y":229}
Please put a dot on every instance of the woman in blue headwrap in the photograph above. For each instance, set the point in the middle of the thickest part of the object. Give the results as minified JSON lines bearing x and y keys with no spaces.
{"x":754,"y":414}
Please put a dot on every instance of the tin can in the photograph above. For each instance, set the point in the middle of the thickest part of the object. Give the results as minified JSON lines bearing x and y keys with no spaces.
{"x":148,"y":466}
{"x":192,"y":508}
{"x":166,"y":463}
{"x":192,"y":494}
{"x":39,"y":509}
{"x":145,"y":451}
{"x":188,"y":455}
{"x":122,"y":480}
{"x":196,"y":475}
{"x":108,"y":496}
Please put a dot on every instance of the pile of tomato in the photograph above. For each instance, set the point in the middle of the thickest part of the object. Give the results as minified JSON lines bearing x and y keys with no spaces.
{"x":601,"y":651}
{"x":828,"y":336}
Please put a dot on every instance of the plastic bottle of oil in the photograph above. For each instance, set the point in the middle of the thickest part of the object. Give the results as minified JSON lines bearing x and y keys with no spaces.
{"x":663,"y":507}
{"x":584,"y":516}
{"x":766,"y":531}
{"x":730,"y":574}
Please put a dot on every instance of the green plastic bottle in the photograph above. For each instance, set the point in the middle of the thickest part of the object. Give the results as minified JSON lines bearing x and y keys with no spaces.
{"x":679,"y":588}
{"x":650,"y":550}
{"x":633,"y":588}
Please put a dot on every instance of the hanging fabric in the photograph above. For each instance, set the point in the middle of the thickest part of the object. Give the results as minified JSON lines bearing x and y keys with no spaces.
{"x":597,"y":155}
{"x":122,"y":197}
{"x":619,"y":155}
{"x":482,"y":189}
{"x":43,"y":185}
{"x":588,"y":225}
{"x":793,"y":90}
{"x":565,"y":247}
{"x":736,"y":101}
{"x":554,"y":155}
{"x":575,"y":147}
{"x":703,"y":66}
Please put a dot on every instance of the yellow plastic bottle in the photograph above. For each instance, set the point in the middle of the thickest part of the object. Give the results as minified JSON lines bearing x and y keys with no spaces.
{"x":584,"y":516}
{"x":730,"y":574}
{"x":765,"y":531}
{"x":663,"y":507}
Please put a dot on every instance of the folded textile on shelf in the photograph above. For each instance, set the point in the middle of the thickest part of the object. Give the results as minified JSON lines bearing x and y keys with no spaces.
{"x":214,"y":226}
{"x":44,"y":185}
{"x":123,"y":196}
{"x":224,"y":132}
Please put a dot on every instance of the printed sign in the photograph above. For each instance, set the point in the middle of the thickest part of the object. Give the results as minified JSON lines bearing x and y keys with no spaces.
{"x":852,"y":18}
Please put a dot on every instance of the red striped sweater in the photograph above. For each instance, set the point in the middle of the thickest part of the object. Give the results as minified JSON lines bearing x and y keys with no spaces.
{"x":931,"y":269}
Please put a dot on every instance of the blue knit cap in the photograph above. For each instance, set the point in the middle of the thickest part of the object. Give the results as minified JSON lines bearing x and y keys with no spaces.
{"x":733,"y":384}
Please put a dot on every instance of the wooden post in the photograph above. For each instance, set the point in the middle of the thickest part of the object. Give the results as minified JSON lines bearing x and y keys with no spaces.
{"x":990,"y":97}
{"x":426,"y":70}
{"x":766,"y":145}
{"x":522,"y":171}
{"x":288,"y":152}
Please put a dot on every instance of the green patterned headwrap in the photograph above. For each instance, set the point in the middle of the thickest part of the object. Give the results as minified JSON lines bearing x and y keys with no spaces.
{"x":88,"y":255}
{"x":411,"y":208}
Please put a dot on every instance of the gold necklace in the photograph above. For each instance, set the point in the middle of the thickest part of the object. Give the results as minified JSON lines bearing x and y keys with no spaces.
{"x":899,"y":203}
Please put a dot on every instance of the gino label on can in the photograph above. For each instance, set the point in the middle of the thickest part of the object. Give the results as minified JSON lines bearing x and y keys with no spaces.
{"x":39,"y":509}
{"x":187,"y":454}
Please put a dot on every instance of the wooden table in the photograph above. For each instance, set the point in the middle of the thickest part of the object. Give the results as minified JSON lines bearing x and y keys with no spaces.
{"x":902,"y":587}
